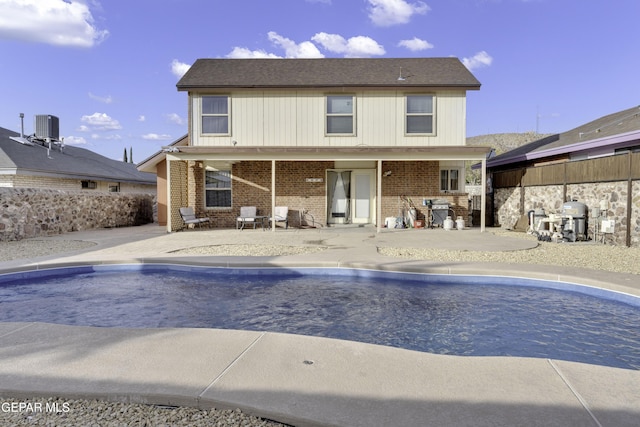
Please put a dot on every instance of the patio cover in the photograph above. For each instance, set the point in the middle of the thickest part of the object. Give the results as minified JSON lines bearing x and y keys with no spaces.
{"x":361,"y":153}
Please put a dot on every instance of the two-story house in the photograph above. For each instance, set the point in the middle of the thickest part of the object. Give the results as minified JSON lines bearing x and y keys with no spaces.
{"x":338,"y":141}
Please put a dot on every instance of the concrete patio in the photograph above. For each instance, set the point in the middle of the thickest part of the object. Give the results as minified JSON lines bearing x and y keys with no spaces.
{"x":311,"y":381}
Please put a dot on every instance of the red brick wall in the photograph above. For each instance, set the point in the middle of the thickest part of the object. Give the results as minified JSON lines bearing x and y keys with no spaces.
{"x":415,"y":180}
{"x":252,"y":187}
{"x":293,"y":190}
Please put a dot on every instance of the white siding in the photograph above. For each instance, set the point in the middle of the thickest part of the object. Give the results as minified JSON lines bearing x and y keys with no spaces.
{"x":288,"y":118}
{"x":279,"y":119}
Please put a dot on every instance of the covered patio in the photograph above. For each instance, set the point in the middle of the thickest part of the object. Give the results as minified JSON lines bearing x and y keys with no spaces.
{"x":276,"y":176}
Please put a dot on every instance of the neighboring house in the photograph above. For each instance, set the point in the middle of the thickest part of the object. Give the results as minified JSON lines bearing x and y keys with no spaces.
{"x":597,"y":164}
{"x":337,"y":141}
{"x":31,"y":163}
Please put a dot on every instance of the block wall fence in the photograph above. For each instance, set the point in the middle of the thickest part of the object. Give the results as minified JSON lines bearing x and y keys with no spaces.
{"x":28,"y":212}
{"x":624,"y":208}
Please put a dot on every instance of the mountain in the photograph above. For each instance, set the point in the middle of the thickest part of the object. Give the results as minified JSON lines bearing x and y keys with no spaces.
{"x":502,"y":142}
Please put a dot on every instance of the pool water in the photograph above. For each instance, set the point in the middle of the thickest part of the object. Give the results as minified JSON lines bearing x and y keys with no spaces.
{"x":478,"y":319}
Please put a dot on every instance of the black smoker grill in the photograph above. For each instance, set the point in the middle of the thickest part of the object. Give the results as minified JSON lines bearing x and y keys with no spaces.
{"x":439,"y":212}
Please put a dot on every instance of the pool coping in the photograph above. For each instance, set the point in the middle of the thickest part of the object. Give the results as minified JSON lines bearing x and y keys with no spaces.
{"x":347,"y":384}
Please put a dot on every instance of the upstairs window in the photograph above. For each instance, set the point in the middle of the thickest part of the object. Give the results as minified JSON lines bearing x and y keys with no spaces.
{"x":215,"y":115}
{"x":217,"y":187}
{"x":419,"y":114}
{"x":340,"y":115}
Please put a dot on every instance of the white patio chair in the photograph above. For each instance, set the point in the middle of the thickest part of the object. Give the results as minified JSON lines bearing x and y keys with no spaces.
{"x":281,"y":214}
{"x":189,"y":217}
{"x":247,"y":215}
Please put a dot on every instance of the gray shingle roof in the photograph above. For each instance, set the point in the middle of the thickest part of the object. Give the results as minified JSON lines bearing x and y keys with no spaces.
{"x":612,"y":124}
{"x":621,"y":123}
{"x":73,"y":162}
{"x":328,"y":72}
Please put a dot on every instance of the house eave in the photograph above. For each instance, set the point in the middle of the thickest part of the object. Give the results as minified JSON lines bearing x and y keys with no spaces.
{"x":79,"y":177}
{"x":329,"y":153}
{"x":396,"y":87}
{"x":609,"y":141}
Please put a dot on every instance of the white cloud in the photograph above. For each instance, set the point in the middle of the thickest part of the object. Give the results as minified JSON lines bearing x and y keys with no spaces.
{"x":175,"y":118}
{"x":156,"y":137}
{"x":105,"y":99}
{"x":294,"y":50}
{"x":112,"y":137}
{"x":479,"y":60}
{"x":83,"y":128}
{"x":355,"y":47}
{"x":55,"y":22}
{"x":179,"y":68}
{"x":243,"y":52}
{"x":100,"y":121}
{"x":142,"y":118}
{"x":386,"y":13}
{"x":74,"y":140}
{"x":415,"y":44}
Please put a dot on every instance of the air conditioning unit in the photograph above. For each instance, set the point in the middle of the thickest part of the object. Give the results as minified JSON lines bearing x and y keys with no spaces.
{"x":47,"y":127}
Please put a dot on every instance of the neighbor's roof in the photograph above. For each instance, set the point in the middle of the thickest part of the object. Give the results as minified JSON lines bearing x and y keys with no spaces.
{"x":617,"y":130}
{"x":73,"y":162}
{"x":328,"y":72}
{"x":149,"y":164}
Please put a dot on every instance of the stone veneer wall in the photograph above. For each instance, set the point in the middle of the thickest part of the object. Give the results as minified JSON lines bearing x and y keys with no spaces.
{"x":550,"y":198}
{"x":28,"y":212}
{"x":507,"y":206}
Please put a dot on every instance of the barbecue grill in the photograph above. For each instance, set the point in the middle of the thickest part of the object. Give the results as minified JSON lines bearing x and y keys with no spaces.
{"x":439,"y":212}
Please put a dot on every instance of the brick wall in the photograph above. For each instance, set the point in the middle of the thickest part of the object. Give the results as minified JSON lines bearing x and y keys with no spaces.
{"x":416,"y":180}
{"x":178,"y":192}
{"x":251,"y":186}
{"x":29,"y":181}
{"x":293,"y":190}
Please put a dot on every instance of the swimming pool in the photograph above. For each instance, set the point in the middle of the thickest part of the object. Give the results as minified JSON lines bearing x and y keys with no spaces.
{"x":443,"y":314}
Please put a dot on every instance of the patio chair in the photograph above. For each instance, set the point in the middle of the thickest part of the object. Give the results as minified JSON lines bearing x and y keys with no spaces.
{"x":189,"y":217}
{"x":248,"y":215}
{"x":281,"y":215}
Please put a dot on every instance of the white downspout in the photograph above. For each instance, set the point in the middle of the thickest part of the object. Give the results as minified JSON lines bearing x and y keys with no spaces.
{"x":168,"y":194}
{"x":379,"y":198}
{"x":273,"y":196}
{"x":483,"y":195}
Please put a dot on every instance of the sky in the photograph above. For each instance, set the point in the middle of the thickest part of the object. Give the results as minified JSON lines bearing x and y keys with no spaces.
{"x":108,"y":68}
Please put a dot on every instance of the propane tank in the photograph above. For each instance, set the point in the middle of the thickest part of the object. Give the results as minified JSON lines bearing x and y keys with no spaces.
{"x":448,"y":224}
{"x":460,"y":223}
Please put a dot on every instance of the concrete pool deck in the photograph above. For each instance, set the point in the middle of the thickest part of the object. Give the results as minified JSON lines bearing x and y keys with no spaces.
{"x":306,"y":380}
